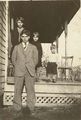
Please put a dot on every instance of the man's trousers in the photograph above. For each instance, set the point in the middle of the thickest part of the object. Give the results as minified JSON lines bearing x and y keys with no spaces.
{"x":29,"y":82}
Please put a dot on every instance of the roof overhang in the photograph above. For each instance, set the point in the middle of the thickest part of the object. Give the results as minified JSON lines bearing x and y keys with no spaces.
{"x":46,"y":17}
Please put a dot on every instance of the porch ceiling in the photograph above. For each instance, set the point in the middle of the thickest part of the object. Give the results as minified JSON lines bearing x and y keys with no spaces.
{"x":46,"y":17}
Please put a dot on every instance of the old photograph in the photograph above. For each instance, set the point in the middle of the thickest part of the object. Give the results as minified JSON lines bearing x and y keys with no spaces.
{"x":40,"y":60}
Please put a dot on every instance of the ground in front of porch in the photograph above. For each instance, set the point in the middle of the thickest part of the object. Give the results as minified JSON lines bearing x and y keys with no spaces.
{"x":47,"y":113}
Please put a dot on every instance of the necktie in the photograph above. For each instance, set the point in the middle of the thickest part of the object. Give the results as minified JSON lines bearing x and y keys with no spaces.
{"x":24,"y":46}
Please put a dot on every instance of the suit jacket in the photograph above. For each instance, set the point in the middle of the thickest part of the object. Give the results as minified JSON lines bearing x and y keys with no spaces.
{"x":24,"y":60}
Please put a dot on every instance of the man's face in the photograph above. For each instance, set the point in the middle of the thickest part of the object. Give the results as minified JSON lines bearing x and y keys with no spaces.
{"x":25,"y":38}
{"x":19,"y":24}
{"x":35,"y":38}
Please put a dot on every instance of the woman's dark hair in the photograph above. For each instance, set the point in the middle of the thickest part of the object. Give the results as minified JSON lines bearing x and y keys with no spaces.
{"x":36,"y":34}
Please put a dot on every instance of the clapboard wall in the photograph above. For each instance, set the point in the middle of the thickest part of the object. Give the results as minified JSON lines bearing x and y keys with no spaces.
{"x":2,"y":45}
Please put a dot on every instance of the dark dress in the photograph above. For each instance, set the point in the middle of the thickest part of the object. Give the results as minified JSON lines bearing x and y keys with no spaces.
{"x":39,"y":48}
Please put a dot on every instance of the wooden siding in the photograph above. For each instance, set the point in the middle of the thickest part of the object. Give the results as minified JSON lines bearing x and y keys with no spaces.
{"x":2,"y":44}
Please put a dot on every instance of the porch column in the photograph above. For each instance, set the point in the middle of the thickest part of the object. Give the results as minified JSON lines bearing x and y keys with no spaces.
{"x":57,"y":43}
{"x":66,"y":33}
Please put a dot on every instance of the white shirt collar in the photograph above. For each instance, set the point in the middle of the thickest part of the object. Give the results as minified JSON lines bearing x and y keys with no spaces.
{"x":24,"y":43}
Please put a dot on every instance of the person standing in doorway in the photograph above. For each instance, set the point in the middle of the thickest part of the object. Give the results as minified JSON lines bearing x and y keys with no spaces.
{"x":15,"y":38}
{"x":17,"y":31}
{"x":24,"y":59}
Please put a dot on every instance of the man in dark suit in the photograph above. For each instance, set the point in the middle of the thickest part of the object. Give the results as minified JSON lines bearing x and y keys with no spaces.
{"x":17,"y":31}
{"x":24,"y":59}
{"x":15,"y":36}
{"x":15,"y":40}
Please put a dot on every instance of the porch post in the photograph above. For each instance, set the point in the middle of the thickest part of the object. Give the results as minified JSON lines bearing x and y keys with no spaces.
{"x":66,"y":33}
{"x":57,"y":43}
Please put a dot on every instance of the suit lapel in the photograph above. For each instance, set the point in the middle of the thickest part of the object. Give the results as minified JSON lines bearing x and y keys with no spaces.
{"x":28,"y":49}
{"x":21,"y":48}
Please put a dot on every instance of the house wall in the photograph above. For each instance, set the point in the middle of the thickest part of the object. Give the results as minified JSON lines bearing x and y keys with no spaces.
{"x":73,"y":39}
{"x":2,"y":45}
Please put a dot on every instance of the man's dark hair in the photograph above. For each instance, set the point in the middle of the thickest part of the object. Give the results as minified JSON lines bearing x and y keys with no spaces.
{"x":21,"y":19}
{"x":27,"y":32}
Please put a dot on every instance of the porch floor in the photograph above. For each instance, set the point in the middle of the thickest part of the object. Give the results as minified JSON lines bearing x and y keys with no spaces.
{"x":10,"y":80}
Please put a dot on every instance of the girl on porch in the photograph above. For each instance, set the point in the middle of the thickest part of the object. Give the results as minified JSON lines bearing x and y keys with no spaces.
{"x":52,"y":61}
